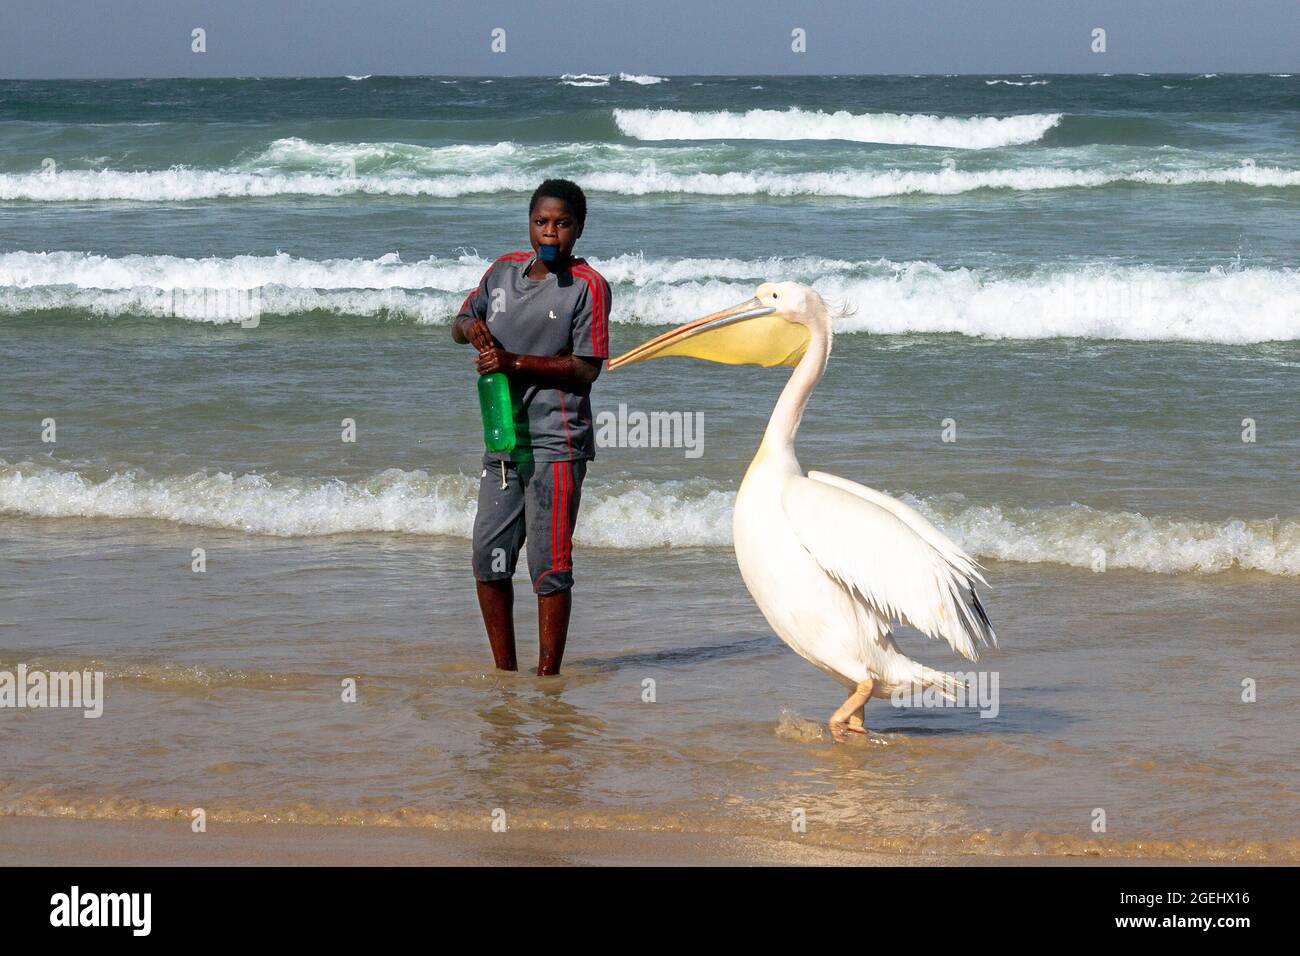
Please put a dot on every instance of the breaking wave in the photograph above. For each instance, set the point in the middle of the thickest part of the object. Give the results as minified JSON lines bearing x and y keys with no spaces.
{"x":1100,"y":301}
{"x":637,"y":515}
{"x":180,"y":185}
{"x":962,"y":132}
{"x":296,"y":167}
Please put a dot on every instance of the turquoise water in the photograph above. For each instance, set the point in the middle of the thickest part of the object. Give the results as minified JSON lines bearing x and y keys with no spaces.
{"x":1094,"y":278}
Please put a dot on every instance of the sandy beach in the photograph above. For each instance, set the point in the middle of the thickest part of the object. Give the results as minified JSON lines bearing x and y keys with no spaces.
{"x":26,"y":841}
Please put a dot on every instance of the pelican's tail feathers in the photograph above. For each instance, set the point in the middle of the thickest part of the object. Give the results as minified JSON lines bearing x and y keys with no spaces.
{"x":976,"y":623}
{"x":946,"y":684}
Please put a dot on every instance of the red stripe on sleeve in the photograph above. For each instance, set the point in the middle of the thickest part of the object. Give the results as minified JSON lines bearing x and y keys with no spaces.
{"x":510,"y":256}
{"x":599,"y":310}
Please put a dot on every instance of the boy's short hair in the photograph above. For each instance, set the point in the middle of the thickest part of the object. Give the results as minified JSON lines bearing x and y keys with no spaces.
{"x":568,"y":192}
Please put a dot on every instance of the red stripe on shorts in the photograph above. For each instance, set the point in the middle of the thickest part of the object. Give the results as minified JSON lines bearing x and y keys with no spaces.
{"x":555,"y":514}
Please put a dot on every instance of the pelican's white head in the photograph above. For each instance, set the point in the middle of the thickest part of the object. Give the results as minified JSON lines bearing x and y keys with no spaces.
{"x":773,"y":328}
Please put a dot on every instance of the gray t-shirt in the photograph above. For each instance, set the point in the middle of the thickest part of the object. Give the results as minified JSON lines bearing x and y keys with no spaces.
{"x":562,"y":314}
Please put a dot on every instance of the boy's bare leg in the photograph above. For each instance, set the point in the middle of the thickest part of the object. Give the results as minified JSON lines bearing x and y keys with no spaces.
{"x":496,"y":599}
{"x":552,"y":630}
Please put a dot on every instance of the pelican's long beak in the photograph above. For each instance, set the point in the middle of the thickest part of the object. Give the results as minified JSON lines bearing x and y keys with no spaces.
{"x":750,"y":333}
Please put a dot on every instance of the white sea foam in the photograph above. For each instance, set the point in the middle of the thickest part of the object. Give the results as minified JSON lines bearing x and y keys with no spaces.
{"x":642,"y":79}
{"x":1076,"y":535}
{"x":585,"y":79}
{"x":963,"y":132}
{"x":603,"y":79}
{"x":424,"y":307}
{"x":179,"y":184}
{"x":91,"y":271}
{"x":1016,"y":83}
{"x":1100,"y":301}
{"x":636,"y":515}
{"x":644,"y":177}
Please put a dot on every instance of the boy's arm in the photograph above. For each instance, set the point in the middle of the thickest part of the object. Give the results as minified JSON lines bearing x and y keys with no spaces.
{"x":577,"y":370}
{"x":572,"y":373}
{"x":470,"y":324}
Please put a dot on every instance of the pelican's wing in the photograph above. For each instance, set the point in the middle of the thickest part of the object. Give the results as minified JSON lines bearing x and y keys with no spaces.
{"x":912,"y":518}
{"x":898,"y":563}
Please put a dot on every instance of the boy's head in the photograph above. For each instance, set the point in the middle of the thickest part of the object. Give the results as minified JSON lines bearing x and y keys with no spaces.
{"x":556,"y":214}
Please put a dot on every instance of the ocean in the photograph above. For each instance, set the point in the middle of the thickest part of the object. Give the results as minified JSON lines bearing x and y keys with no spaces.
{"x":1071,"y":339}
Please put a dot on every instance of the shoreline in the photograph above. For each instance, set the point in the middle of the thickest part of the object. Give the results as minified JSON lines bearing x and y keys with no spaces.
{"x":47,"y":841}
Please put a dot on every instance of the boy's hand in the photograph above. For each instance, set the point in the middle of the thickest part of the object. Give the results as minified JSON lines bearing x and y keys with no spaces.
{"x":475,"y":332}
{"x":495,"y":359}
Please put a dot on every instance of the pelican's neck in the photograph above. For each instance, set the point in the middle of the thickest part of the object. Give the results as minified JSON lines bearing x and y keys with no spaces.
{"x":778,"y":440}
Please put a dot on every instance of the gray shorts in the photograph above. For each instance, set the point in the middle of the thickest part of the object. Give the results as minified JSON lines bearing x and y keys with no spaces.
{"x":538,"y":505}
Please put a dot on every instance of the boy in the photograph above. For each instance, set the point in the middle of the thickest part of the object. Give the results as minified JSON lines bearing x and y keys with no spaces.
{"x":542,"y":318}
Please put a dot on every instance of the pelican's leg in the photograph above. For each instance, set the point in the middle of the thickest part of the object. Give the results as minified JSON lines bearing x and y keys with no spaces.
{"x":848,"y":719}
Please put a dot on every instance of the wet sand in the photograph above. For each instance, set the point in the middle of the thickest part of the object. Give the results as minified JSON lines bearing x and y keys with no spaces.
{"x":28,"y":841}
{"x":1118,"y":691}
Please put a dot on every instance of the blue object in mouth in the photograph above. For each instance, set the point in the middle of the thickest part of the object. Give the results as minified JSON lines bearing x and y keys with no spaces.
{"x":548,"y":253}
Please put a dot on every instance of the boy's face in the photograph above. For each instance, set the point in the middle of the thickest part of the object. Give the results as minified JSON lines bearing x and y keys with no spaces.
{"x":552,"y":223}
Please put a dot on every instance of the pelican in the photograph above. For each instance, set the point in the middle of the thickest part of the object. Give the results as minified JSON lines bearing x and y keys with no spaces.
{"x":831,"y":563}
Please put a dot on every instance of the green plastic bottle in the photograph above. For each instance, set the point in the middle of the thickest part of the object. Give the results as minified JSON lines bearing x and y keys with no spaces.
{"x":498,"y":412}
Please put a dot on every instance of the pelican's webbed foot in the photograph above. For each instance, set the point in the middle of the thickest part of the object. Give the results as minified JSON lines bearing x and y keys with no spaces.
{"x":849,"y":718}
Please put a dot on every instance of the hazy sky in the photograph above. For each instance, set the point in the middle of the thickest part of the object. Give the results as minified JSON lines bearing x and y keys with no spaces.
{"x":95,"y":38}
